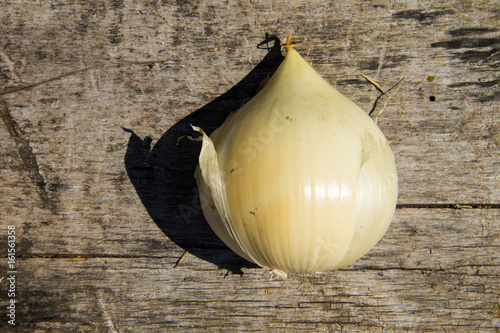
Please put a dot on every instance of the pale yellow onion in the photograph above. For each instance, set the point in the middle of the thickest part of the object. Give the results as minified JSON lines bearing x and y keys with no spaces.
{"x":299,"y":179}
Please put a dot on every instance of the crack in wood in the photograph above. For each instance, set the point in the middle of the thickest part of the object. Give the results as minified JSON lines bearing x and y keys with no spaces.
{"x":28,"y":158}
{"x":19,"y":87}
{"x":106,"y":315}
{"x":11,"y":65}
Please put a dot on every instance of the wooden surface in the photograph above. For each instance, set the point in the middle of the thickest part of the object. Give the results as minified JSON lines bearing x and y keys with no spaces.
{"x":94,"y":96}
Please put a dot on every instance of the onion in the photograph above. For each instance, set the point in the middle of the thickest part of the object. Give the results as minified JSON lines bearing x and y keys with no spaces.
{"x":299,"y":179}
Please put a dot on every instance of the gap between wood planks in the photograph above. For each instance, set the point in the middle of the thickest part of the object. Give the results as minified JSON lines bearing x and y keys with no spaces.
{"x":450,"y":206}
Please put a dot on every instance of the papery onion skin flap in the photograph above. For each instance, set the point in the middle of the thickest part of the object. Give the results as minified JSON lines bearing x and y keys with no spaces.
{"x":299,"y":179}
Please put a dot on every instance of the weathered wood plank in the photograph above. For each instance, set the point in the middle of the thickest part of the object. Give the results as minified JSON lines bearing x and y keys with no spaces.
{"x":447,"y":150}
{"x":435,"y":270}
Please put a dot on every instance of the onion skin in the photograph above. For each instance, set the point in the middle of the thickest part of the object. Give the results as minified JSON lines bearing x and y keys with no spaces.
{"x":299,"y":179}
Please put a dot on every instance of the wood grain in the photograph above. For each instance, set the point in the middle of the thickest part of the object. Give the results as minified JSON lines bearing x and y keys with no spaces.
{"x":95,"y":95}
{"x":435,"y":270}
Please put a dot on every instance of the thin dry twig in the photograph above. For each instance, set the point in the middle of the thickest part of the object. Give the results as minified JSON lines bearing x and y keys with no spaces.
{"x":184,"y":255}
{"x":397,"y":86}
{"x":375,"y":82}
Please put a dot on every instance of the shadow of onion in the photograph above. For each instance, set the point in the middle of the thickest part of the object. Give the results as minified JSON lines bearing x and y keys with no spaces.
{"x":163,"y":176}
